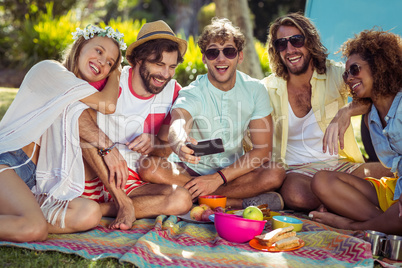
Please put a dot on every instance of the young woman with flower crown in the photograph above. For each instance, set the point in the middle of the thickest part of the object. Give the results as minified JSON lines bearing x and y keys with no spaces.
{"x":373,"y":73}
{"x":41,"y":167}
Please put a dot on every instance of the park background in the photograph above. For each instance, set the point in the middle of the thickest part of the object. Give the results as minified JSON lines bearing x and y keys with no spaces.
{"x":35,"y":30}
{"x":31,"y":31}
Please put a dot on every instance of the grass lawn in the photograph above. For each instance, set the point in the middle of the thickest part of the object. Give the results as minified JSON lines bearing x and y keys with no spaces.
{"x":6,"y":97}
{"x":18,"y":257}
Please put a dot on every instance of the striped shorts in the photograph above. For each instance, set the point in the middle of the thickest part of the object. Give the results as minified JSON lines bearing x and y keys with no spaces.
{"x":309,"y":169}
{"x":95,"y":190}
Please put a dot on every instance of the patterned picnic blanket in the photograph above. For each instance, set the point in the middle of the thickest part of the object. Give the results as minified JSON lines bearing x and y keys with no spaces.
{"x":168,"y":241}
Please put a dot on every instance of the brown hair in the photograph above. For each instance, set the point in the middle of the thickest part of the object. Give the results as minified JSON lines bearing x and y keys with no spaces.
{"x":73,"y":53}
{"x":154,"y":46}
{"x":221,"y":30}
{"x":383,"y":52}
{"x":312,"y":43}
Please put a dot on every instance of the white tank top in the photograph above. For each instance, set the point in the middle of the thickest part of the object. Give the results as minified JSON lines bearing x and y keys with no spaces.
{"x":305,"y":140}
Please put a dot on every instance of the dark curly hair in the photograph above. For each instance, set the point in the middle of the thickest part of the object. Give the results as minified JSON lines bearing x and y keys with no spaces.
{"x":383,"y":52}
{"x":312,"y":43}
{"x":221,"y":30}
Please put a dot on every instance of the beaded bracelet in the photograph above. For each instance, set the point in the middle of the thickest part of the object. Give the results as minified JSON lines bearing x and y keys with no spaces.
{"x":103,"y":152}
{"x":225,"y":181}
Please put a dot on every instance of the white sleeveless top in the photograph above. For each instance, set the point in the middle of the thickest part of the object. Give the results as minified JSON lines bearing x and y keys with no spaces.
{"x":305,"y":140}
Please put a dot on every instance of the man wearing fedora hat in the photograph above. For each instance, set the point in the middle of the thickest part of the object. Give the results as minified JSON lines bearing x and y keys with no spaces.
{"x":138,"y":127}
{"x":223,"y":104}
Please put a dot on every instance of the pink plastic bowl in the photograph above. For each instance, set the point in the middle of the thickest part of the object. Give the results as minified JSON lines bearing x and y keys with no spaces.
{"x":237,"y":229}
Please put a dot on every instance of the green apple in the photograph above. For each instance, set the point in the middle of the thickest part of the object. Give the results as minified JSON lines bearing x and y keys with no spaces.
{"x":253,"y":213}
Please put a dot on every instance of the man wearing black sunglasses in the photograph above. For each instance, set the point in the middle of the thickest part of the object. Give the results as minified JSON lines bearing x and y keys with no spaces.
{"x":222,"y":104}
{"x":306,"y":91}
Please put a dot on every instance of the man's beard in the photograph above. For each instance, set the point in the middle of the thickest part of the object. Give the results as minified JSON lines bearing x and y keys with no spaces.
{"x":147,"y":77}
{"x":303,"y":69}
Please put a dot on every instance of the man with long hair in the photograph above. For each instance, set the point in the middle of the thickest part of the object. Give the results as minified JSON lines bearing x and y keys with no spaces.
{"x":306,"y":92}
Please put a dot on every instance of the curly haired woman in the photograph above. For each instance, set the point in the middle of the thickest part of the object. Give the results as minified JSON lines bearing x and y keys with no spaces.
{"x":373,"y":72}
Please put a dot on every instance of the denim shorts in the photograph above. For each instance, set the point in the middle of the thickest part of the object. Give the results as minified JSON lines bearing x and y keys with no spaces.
{"x":26,"y":172}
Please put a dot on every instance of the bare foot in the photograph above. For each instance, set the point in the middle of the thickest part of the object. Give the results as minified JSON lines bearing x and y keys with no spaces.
{"x":322,"y":208}
{"x":124,"y":219}
{"x":331,"y":220}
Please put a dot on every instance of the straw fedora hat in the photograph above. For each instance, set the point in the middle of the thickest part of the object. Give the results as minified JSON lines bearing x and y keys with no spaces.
{"x":157,"y":30}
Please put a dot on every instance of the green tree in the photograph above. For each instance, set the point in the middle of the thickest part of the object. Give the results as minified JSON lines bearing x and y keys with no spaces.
{"x":17,"y":11}
{"x":14,"y":18}
{"x":234,"y":11}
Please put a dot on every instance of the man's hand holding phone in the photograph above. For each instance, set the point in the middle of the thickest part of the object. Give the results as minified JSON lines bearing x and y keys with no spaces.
{"x":193,"y":150}
{"x":185,"y":153}
{"x":206,"y":147}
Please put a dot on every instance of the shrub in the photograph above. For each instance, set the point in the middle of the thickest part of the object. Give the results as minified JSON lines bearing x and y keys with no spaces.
{"x":45,"y":38}
{"x":129,"y":28}
{"x":6,"y":43}
{"x":192,"y":64}
{"x":262,"y":53}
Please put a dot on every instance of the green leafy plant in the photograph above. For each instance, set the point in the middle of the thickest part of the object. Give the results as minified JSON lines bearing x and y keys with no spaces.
{"x":262,"y":53}
{"x":192,"y":64}
{"x":45,"y":38}
{"x":129,"y":28}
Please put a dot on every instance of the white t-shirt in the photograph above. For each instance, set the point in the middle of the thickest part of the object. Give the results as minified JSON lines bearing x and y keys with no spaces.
{"x":136,"y":115}
{"x":305,"y":140}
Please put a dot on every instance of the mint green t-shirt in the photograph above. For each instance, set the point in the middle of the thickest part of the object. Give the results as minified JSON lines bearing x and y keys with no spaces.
{"x":220,"y":114}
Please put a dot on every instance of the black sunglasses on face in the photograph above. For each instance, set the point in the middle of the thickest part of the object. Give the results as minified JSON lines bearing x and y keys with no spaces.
{"x":282,"y":43}
{"x":354,"y":70}
{"x":213,"y":53}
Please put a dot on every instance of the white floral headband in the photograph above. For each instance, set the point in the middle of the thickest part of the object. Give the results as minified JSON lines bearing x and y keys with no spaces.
{"x":91,"y":31}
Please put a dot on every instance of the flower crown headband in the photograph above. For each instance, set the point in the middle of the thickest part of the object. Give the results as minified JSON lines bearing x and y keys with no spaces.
{"x":91,"y":31}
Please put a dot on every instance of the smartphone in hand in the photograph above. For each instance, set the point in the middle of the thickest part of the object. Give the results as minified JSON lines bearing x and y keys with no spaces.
{"x":206,"y":147}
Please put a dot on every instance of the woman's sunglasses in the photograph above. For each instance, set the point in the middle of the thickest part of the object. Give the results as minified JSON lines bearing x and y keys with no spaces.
{"x":354,"y":70}
{"x":282,"y":43}
{"x":213,"y":53}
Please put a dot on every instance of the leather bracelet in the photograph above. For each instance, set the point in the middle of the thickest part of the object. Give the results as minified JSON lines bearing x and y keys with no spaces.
{"x":225,"y":181}
{"x":103,"y":152}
